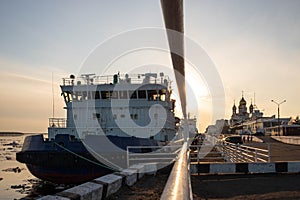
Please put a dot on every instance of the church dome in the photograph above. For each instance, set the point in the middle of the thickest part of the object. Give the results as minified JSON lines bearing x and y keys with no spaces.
{"x":251,"y":107}
{"x":243,"y":101}
{"x":233,"y":107}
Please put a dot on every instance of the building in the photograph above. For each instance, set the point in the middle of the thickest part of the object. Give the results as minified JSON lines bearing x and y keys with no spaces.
{"x":284,"y":130}
{"x":263,"y":125}
{"x":242,"y":115}
{"x":253,"y":122}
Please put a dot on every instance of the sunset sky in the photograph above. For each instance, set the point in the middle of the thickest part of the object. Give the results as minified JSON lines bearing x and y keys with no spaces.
{"x":254,"y":44}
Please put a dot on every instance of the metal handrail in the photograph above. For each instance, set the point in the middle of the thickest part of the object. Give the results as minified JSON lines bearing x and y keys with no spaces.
{"x":237,"y":153}
{"x":255,"y":148}
{"x":206,"y":156}
{"x":107,"y":79}
{"x":252,"y":154}
{"x":179,"y":185}
{"x":57,"y":122}
{"x":162,"y":153}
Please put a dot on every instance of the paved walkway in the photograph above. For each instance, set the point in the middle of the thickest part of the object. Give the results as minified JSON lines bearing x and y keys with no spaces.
{"x":279,"y":151}
{"x":246,"y":187}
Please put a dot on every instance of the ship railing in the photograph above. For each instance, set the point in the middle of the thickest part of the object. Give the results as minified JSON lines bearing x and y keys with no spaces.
{"x":57,"y":122}
{"x":109,"y":79}
{"x":150,"y":154}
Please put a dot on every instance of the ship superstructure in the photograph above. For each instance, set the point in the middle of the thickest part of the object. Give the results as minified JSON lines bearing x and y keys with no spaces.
{"x":123,"y":110}
{"x":106,"y":105}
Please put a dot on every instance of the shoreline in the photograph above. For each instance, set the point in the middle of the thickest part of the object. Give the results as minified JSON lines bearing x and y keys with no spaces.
{"x":12,"y":133}
{"x":15,"y":133}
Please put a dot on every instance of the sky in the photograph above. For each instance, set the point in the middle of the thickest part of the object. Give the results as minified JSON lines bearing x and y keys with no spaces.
{"x":254,"y":45}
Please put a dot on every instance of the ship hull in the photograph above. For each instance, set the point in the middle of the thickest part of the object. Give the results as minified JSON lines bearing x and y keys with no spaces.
{"x":67,"y":175}
{"x":66,"y":160}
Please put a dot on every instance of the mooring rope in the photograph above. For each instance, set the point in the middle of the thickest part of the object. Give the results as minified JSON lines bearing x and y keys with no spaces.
{"x":91,"y":161}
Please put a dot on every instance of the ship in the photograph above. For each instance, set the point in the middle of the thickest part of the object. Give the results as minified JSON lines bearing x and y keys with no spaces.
{"x":104,"y":116}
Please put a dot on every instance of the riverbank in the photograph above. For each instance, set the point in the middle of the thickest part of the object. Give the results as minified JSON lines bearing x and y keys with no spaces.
{"x":11,"y":133}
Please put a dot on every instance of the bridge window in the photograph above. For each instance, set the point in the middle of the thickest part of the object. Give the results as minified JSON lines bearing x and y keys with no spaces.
{"x":90,"y":95}
{"x":84,"y":95}
{"x":142,"y":94}
{"x":152,"y":95}
{"x":105,"y":95}
{"x":133,"y":116}
{"x":95,"y":95}
{"x":68,"y":96}
{"x":132,"y":94}
{"x":96,"y":115}
{"x":162,"y":94}
{"x":123,"y":94}
{"x":77,"y":96}
{"x":114,"y":94}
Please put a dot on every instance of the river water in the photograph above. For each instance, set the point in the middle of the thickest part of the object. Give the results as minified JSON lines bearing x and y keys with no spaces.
{"x":16,"y":182}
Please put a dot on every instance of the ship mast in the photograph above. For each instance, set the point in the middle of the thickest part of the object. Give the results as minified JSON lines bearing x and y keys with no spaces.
{"x":52,"y":98}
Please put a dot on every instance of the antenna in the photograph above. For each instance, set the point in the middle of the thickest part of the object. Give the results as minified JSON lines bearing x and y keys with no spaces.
{"x":52,"y":98}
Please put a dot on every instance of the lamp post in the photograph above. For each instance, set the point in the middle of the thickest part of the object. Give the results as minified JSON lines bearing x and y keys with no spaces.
{"x":278,"y":104}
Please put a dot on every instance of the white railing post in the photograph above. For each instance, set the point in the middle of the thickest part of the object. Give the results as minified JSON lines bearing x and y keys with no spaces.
{"x":225,"y":149}
{"x":235,"y":153}
{"x":224,"y":152}
{"x":127,"y":156}
{"x":198,"y":154}
{"x":269,"y":153}
{"x":229,"y":152}
{"x":255,"y":155}
{"x":247,"y":154}
{"x":239,"y":154}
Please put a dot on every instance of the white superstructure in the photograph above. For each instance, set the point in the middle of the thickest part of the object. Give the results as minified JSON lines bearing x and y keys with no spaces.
{"x":119,"y":105}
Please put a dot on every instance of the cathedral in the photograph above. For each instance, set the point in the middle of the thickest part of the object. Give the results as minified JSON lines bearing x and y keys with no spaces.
{"x":242,"y":115}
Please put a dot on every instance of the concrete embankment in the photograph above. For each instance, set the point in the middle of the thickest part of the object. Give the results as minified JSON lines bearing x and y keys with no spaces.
{"x":105,"y":186}
{"x":288,"y":139}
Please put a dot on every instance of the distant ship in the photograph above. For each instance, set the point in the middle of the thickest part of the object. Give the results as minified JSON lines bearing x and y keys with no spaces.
{"x":105,"y":115}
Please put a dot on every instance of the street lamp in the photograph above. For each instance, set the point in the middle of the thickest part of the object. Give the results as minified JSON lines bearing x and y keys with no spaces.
{"x":278,"y":104}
